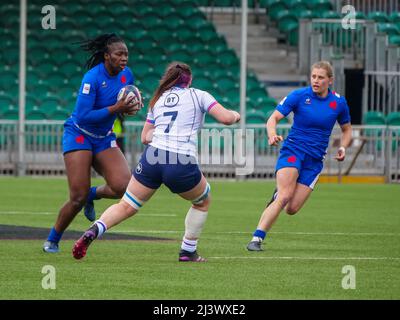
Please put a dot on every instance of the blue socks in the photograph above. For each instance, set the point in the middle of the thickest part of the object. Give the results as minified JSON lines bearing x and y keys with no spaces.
{"x":92,"y":194}
{"x":54,"y":236}
{"x":259,"y":235}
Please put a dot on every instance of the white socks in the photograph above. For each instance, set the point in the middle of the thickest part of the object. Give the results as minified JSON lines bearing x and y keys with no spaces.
{"x":189,"y":245}
{"x":194,"y":223}
{"x":101,"y":226}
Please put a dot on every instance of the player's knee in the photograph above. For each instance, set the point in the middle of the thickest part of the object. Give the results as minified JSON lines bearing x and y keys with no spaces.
{"x":291,"y":210}
{"x":78,"y":199}
{"x":203,"y":205}
{"x":203,"y":201}
{"x":119,"y":190}
{"x":127,"y":208}
{"x":283,"y":199}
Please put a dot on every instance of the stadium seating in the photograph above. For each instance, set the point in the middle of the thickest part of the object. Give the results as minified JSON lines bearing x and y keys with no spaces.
{"x":394,"y":39}
{"x":320,"y":5}
{"x":35,"y":113}
{"x":378,"y":16}
{"x":394,"y":17}
{"x":274,"y":7}
{"x":55,"y":62}
{"x":285,"y":19}
{"x":374,"y":118}
{"x":255,"y":117}
{"x":10,"y":112}
{"x":393,"y":118}
{"x":389,"y":28}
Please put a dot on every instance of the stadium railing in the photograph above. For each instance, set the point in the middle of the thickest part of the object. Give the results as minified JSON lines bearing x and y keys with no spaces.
{"x":375,"y":150}
{"x":387,"y":6}
{"x":325,"y":38}
{"x":381,"y":91}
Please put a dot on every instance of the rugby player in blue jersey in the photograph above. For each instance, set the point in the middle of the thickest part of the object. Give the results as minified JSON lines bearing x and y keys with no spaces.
{"x":316,"y":109}
{"x":88,"y":139}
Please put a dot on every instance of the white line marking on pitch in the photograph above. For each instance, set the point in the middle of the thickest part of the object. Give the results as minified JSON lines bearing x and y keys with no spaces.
{"x":48,"y":213}
{"x":249,"y":233}
{"x":320,"y":233}
{"x":148,"y":231}
{"x":26,"y":212}
{"x":311,"y":258}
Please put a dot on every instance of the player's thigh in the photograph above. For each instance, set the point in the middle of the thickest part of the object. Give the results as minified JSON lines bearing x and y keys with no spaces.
{"x":138,"y":190}
{"x":78,"y":164}
{"x":286,"y":180}
{"x":112,"y":165}
{"x":197,"y":191}
{"x":300,"y":196}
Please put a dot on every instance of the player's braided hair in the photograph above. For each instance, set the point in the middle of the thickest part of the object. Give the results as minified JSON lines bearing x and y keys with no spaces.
{"x":176,"y":74}
{"x":97,"y":47}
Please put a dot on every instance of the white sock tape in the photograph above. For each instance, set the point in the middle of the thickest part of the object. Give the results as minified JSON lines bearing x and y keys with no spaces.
{"x":194,"y":223}
{"x":132,"y":200}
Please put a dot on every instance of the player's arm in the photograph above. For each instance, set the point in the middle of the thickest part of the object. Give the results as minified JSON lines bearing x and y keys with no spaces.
{"x":224,"y":115}
{"x":87,"y":114}
{"x":85,"y":111}
{"x":273,"y":137}
{"x":345,"y":141}
{"x":148,"y":129}
{"x":286,"y":106}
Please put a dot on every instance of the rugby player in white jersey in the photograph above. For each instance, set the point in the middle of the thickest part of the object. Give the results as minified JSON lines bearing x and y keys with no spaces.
{"x":176,"y":114}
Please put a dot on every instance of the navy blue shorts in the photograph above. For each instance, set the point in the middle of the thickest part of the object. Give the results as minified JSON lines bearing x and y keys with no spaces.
{"x":74,"y":139}
{"x":308,"y":167}
{"x":180,"y":173}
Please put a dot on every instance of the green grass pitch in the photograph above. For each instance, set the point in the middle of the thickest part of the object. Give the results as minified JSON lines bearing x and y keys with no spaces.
{"x":340,"y":225}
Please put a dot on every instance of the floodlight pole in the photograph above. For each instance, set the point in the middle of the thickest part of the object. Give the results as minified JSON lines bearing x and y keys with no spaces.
{"x":243,"y":77}
{"x":243,"y":66}
{"x":21,"y":165}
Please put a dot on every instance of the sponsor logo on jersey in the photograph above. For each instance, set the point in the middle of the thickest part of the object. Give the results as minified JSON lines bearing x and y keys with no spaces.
{"x":171,"y":100}
{"x":86,"y":88}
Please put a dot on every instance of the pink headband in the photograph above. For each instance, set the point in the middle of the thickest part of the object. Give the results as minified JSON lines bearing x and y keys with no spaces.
{"x":184,"y":78}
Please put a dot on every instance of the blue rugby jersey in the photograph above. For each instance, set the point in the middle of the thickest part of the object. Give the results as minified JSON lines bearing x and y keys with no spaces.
{"x":98,"y":91}
{"x":314,"y":119}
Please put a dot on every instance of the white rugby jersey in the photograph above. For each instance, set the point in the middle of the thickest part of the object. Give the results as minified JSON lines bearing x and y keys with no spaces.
{"x":177,"y":116}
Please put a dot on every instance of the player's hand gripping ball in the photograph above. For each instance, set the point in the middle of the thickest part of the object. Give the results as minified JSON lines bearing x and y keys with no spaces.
{"x":127,"y":93}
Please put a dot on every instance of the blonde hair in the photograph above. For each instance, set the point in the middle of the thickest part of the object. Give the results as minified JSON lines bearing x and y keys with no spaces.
{"x":323,"y":65}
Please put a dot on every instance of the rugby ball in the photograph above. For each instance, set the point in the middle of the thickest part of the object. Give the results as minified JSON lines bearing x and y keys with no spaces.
{"x":130,"y":91}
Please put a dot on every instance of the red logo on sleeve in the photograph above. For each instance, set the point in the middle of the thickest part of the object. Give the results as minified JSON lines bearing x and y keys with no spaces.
{"x":291,"y":159}
{"x":333,"y":105}
{"x":123,"y":79}
{"x":80,"y":139}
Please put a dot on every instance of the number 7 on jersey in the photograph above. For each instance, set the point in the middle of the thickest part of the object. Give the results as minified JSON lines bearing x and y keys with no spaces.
{"x":173,"y":115}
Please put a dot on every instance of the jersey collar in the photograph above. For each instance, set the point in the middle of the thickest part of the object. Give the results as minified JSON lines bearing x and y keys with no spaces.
{"x":314,"y":95}
{"x":103,"y":67}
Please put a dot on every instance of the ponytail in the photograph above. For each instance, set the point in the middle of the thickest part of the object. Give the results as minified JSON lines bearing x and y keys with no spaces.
{"x":176,"y":74}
